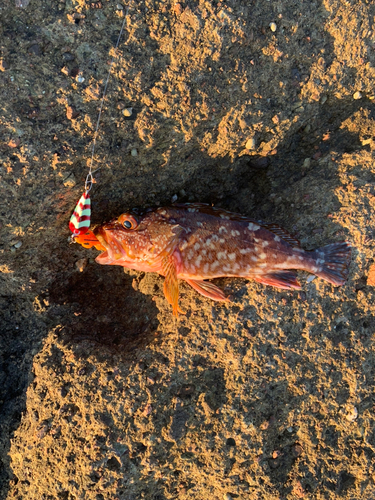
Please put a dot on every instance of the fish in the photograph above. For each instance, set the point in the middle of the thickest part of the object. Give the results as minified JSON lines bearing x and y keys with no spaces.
{"x":195,"y":242}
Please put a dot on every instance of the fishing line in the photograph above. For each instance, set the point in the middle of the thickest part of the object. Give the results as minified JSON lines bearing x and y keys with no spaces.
{"x":89,"y":178}
{"x":80,"y":220}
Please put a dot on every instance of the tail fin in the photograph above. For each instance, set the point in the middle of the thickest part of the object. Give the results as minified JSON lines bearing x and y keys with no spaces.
{"x":336,"y":259}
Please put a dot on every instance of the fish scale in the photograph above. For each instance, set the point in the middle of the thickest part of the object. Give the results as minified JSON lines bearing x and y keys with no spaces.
{"x":235,"y":251}
{"x":196,"y":242}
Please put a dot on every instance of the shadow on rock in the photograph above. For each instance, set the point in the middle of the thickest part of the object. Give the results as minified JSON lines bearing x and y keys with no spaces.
{"x":102,"y":313}
{"x":21,"y":330}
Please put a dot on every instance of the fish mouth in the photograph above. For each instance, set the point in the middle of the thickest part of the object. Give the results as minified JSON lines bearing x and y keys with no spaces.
{"x":100,"y":233}
{"x":107,"y":255}
{"x":114,"y":251}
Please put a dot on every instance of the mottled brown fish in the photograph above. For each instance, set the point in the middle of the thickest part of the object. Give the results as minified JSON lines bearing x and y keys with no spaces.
{"x":195,"y":242}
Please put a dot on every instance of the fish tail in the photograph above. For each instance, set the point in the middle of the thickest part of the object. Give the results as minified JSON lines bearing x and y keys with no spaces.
{"x":333,"y":262}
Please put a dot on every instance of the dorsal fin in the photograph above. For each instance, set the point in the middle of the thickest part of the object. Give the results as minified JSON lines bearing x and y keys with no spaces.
{"x":225,"y":214}
{"x":279,"y":231}
{"x":204,"y":208}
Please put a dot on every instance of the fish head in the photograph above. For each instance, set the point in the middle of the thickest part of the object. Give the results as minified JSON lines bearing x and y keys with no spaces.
{"x":136,"y":241}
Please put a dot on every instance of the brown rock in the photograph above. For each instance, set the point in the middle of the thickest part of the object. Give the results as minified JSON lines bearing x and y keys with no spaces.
{"x":298,"y":490}
{"x":147,"y":410}
{"x":4,"y":65}
{"x":14,"y":142}
{"x":81,"y":264}
{"x":71,"y":113}
{"x":74,"y":72}
{"x":177,"y":9}
{"x":297,"y":450}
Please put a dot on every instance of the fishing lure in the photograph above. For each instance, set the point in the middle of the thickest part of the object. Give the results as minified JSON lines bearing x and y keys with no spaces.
{"x":80,"y":222}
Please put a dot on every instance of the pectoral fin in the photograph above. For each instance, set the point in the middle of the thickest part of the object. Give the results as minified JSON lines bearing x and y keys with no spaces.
{"x":171,"y":284}
{"x":208,"y":289}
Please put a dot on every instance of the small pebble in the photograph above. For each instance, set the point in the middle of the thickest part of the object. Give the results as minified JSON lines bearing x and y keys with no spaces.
{"x":81,"y":264}
{"x":134,"y":152}
{"x":74,"y":72}
{"x":296,"y":105}
{"x":273,"y":27}
{"x":178,"y":9}
{"x":71,"y":113}
{"x":352,"y":415}
{"x":65,"y":71}
{"x":174,"y":198}
{"x":147,"y":410}
{"x":4,"y":64}
{"x":67,"y":56}
{"x":323,"y":99}
{"x":250,"y":144}
{"x":290,"y":429}
{"x":80,"y":79}
{"x":14,"y":143}
{"x":69,"y":181}
{"x":226,"y":496}
{"x":297,"y":450}
{"x":127,"y":111}
{"x":357,"y":95}
{"x":366,"y":141}
{"x":21,"y":4}
{"x":119,"y":7}
{"x":18,"y":244}
{"x":306,"y":163}
{"x":310,"y":278}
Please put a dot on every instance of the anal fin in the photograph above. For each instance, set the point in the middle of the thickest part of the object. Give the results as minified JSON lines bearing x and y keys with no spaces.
{"x":279,"y":279}
{"x":208,"y":289}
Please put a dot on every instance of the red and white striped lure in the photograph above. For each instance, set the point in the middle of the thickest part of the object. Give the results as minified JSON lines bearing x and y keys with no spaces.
{"x":80,"y":224}
{"x":80,"y":220}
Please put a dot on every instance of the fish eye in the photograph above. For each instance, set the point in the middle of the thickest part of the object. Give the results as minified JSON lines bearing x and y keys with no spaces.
{"x":128,"y":221}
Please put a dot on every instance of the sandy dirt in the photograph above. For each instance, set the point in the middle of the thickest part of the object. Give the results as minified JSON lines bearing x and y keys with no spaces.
{"x":103,"y":394}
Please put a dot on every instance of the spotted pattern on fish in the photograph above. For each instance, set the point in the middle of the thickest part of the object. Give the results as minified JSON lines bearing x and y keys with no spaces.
{"x":196,"y":242}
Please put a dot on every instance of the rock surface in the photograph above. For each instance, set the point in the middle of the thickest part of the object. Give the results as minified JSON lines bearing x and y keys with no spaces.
{"x":103,"y":394}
